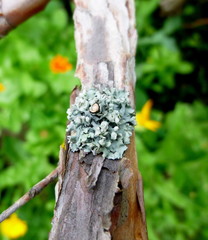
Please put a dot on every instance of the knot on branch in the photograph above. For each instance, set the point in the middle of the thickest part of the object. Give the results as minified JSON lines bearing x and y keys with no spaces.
{"x":101,"y":121}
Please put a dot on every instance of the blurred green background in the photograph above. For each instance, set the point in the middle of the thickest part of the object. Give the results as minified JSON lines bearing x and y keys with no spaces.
{"x":171,"y":70}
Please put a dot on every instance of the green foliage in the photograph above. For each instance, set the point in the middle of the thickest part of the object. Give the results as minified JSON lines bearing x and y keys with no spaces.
{"x":159,"y":73}
{"x":171,"y":54}
{"x":171,"y":70}
{"x":175,"y":175}
{"x":173,"y":161}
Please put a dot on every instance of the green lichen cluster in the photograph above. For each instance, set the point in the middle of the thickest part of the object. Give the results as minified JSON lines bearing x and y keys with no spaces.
{"x":101,"y":121}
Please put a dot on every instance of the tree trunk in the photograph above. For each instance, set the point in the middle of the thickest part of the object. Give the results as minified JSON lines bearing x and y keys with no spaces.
{"x":113,"y":209}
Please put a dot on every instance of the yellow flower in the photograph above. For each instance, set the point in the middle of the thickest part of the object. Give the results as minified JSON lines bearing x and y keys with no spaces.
{"x":13,"y":227}
{"x":143,"y":118}
{"x":60,"y":64}
{"x":2,"y":87}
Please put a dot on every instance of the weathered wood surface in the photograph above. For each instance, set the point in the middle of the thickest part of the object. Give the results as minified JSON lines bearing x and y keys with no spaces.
{"x":101,"y":199}
{"x":14,"y":12}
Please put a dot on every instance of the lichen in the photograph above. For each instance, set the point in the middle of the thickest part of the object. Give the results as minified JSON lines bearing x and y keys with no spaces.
{"x":101,"y":122}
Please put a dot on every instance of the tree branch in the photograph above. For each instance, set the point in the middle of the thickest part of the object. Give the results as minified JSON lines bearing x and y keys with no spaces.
{"x":13,"y":12}
{"x":101,"y":198}
{"x":31,"y":194}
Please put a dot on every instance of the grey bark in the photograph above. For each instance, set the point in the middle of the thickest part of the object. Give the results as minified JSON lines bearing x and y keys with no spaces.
{"x":101,"y":199}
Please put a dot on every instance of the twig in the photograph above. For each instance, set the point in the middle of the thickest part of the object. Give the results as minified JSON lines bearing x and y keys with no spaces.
{"x":30,"y":195}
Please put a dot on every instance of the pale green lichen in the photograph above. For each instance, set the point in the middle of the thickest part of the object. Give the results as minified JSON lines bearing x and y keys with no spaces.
{"x":101,"y":121}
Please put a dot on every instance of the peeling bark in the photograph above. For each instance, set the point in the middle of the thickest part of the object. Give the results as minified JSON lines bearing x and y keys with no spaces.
{"x":14,"y":12}
{"x":101,"y":199}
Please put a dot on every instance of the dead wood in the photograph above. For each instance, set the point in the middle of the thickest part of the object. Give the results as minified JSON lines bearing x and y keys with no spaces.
{"x":101,"y":199}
